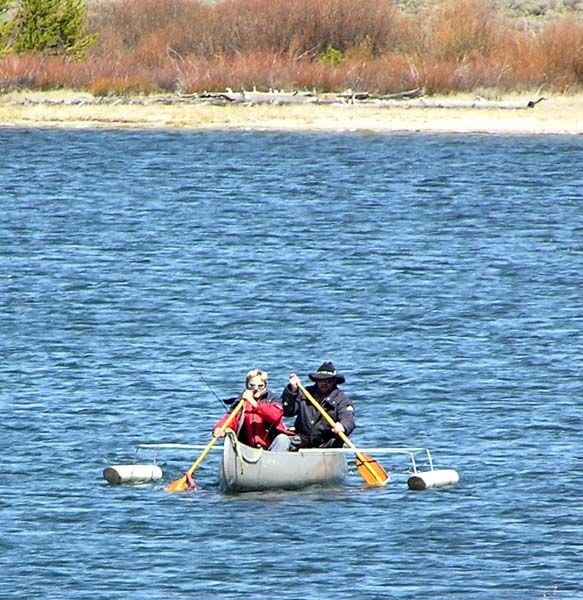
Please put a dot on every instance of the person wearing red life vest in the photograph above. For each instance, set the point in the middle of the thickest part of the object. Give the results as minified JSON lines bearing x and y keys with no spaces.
{"x":260,"y":423}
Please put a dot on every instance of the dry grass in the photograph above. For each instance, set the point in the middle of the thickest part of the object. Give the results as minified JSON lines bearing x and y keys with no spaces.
{"x":561,"y":115}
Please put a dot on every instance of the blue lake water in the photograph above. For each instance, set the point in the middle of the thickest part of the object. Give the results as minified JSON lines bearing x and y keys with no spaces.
{"x":442,"y":274}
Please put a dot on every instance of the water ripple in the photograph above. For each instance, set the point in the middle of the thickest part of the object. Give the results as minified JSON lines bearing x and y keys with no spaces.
{"x":440,"y":273}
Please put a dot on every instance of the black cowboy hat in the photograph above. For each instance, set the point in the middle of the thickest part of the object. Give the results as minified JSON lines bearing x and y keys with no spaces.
{"x":327,"y":370}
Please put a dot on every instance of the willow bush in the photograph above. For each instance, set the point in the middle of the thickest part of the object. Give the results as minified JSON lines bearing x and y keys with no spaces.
{"x":149,"y":46}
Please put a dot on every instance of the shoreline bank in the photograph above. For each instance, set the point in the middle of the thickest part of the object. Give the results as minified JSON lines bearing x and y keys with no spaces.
{"x":561,"y":115}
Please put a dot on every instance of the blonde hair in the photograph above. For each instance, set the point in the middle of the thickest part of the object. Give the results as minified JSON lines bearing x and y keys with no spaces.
{"x":256,"y":373}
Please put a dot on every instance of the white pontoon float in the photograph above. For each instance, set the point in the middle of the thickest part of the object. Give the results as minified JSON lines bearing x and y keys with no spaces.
{"x":421,"y":472}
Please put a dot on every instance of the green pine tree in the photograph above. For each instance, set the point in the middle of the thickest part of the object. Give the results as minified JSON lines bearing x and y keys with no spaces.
{"x":56,"y":27}
{"x":7,"y":24}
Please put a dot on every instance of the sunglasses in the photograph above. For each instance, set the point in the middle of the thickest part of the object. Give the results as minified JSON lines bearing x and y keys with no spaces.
{"x":255,"y":386}
{"x":326,"y":381}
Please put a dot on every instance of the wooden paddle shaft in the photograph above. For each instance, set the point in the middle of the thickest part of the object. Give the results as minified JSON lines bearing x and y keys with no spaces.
{"x":222,"y":429}
{"x":363,"y":459}
{"x":326,"y":416}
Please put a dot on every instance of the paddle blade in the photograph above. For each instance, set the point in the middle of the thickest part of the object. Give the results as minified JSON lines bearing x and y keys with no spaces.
{"x":182,"y":484}
{"x":371,"y":471}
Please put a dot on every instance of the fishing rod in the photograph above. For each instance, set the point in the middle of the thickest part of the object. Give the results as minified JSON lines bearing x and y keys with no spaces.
{"x":225,"y":402}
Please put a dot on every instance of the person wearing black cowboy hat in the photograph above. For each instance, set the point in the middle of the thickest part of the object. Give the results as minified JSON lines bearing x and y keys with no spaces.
{"x":312,"y":430}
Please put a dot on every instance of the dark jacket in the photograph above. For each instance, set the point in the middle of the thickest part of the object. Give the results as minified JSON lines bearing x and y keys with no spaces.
{"x":310,"y":425}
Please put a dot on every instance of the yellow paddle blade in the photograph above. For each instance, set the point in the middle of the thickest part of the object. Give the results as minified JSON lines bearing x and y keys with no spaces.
{"x":371,"y":471}
{"x":184,"y":483}
{"x":178,"y":485}
{"x":368,"y":467}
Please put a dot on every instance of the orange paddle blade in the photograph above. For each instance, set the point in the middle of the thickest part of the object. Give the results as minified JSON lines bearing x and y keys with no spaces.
{"x":181,"y":485}
{"x":186,"y":482}
{"x":368,"y":467}
{"x":371,"y":471}
{"x":178,"y":485}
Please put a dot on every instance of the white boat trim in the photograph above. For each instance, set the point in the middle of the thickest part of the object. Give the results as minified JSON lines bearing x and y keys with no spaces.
{"x":169,"y":446}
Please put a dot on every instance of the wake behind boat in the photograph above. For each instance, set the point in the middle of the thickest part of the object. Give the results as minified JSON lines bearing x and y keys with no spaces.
{"x":246,"y":469}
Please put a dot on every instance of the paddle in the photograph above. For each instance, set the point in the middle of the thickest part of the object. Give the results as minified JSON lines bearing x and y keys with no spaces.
{"x":186,"y":482}
{"x":370,"y":470}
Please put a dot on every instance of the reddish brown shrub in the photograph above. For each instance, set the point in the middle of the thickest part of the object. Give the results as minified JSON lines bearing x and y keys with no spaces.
{"x":456,"y":28}
{"x":41,"y":72}
{"x":121,"y":86}
{"x":145,"y":46}
{"x":298,"y":27}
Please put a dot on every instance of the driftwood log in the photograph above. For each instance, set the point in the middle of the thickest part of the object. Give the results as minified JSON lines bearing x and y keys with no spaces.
{"x":409,"y":99}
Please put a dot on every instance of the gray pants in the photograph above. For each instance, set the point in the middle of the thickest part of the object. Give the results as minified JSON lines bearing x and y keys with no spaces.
{"x":281,"y":443}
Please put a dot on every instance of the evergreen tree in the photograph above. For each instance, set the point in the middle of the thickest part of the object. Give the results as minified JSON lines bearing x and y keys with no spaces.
{"x":6,"y":24}
{"x":51,"y":26}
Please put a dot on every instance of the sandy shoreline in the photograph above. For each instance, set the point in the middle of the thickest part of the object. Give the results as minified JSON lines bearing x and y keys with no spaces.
{"x":458,"y":114}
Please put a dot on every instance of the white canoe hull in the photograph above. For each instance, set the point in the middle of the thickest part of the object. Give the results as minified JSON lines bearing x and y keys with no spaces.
{"x":246,"y":469}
